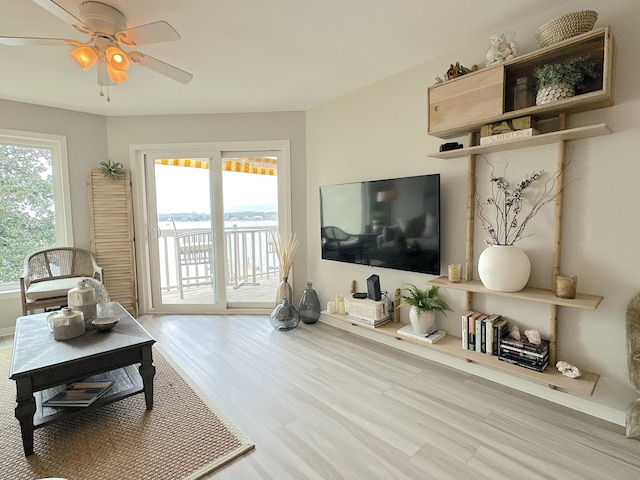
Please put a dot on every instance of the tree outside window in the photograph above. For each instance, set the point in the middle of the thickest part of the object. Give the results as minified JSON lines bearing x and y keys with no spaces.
{"x":27,"y":207}
{"x":33,"y":201}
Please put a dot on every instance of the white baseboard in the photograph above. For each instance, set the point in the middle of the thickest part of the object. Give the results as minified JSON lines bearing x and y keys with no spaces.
{"x":7,"y":331}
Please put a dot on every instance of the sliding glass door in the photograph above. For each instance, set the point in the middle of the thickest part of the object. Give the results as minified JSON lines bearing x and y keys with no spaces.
{"x":211,"y":217}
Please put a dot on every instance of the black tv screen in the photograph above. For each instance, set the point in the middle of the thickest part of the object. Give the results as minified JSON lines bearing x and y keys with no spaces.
{"x":392,"y":223}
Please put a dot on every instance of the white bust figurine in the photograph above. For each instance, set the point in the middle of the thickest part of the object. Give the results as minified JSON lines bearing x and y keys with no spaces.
{"x":501,"y":49}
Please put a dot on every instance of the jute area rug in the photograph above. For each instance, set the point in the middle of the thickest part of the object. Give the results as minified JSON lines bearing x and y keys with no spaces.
{"x":184,"y":436}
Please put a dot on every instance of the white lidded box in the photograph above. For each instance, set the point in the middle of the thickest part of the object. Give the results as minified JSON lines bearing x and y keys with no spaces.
{"x":367,"y":308}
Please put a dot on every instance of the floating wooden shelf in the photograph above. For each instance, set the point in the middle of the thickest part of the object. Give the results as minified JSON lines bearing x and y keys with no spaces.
{"x":540,"y":295}
{"x":451,"y":345}
{"x":536,"y":140}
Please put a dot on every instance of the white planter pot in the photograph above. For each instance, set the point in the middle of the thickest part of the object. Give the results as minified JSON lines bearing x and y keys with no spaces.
{"x":504,"y":268}
{"x":553,"y":93}
{"x":422,"y":321}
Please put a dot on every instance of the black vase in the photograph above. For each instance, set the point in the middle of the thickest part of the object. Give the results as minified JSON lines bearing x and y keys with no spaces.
{"x":309,"y":307}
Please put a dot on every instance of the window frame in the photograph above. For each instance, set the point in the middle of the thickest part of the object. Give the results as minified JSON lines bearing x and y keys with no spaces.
{"x":61,"y":184}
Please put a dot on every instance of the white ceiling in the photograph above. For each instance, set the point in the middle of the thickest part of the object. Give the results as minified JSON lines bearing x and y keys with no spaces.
{"x":254,"y":55}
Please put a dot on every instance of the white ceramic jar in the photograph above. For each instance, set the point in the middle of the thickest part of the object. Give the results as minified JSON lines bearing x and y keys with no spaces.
{"x":67,"y":323}
{"x":83,"y":298}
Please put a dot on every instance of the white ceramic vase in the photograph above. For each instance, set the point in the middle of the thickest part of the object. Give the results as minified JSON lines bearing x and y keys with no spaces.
{"x":422,"y":321}
{"x":504,"y":268}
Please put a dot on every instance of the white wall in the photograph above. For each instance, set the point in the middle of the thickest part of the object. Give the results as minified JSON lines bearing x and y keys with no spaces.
{"x":379,"y":132}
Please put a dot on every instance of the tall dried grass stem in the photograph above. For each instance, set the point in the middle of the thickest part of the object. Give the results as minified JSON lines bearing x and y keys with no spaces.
{"x":286,"y":251}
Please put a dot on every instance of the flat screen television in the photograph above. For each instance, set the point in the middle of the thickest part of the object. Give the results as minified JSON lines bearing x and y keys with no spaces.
{"x":392,"y":223}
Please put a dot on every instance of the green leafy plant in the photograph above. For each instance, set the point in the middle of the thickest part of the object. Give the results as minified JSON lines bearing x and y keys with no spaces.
{"x":425,"y":300}
{"x":112,"y":170}
{"x":454,"y":71}
{"x":578,"y":72}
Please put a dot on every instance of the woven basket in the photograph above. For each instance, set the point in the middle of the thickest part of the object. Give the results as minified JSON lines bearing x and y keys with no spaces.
{"x":566,"y":26}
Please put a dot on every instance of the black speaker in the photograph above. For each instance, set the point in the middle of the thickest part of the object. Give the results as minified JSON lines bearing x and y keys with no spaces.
{"x":373,"y":287}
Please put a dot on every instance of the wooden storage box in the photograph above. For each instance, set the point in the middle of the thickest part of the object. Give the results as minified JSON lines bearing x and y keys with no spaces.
{"x":472,"y":99}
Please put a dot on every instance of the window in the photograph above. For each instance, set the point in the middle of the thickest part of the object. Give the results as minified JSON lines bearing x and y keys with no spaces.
{"x":35,"y":210}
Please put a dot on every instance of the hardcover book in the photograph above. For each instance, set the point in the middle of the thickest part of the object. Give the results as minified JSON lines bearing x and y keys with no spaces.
{"x":507,"y":126}
{"x":465,"y":329}
{"x":79,"y":394}
{"x":520,"y":363}
{"x":503,"y":137}
{"x":367,"y":321}
{"x":500,"y":331}
{"x":525,"y":344}
{"x":479,"y":338}
{"x":431,"y":337}
{"x":489,"y":324}
{"x":472,"y":330}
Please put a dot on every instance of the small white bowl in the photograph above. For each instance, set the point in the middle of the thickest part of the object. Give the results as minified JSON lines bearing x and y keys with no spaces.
{"x":106,"y":323}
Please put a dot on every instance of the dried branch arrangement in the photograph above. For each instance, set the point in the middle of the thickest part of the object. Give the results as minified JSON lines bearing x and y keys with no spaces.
{"x":286,"y":251}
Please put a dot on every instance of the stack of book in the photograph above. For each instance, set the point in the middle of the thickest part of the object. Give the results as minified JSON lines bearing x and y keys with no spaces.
{"x":368,"y":321}
{"x":79,"y":394}
{"x":507,"y":130}
{"x":524,"y":353}
{"x":482,"y":332}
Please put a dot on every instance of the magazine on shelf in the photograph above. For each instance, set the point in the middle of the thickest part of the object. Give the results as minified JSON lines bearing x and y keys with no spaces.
{"x":79,"y":394}
{"x":431,"y":337}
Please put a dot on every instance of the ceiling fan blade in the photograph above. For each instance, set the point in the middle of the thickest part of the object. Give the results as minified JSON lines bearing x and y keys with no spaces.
{"x":160,"y":67}
{"x":55,"y":9}
{"x":155,"y":32}
{"x":29,"y":41}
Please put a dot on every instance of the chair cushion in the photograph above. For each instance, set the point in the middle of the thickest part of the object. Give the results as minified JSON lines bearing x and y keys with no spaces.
{"x":51,"y":288}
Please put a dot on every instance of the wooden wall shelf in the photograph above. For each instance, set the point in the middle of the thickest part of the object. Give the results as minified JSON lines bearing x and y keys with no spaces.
{"x":542,"y":139}
{"x":540,"y":295}
{"x":451,"y":345}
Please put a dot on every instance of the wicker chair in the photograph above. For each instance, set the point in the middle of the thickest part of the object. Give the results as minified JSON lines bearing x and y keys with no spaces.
{"x":50,"y":274}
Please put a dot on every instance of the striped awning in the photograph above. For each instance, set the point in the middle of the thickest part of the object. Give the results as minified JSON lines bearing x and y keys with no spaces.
{"x":256,"y":165}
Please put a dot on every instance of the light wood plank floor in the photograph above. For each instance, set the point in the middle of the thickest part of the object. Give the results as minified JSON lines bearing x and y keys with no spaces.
{"x":320,"y":403}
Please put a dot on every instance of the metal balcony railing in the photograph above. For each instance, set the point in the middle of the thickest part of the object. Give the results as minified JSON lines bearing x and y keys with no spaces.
{"x":185,"y":258}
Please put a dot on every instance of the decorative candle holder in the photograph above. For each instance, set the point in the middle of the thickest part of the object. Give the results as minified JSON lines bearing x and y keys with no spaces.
{"x":566,"y":286}
{"x":455,"y":273}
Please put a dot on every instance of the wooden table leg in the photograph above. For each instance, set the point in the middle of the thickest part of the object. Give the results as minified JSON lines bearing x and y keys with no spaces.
{"x":147,"y":372}
{"x":24,"y":411}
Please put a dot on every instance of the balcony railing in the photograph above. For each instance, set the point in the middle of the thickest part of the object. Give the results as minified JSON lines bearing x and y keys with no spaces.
{"x":249,"y":257}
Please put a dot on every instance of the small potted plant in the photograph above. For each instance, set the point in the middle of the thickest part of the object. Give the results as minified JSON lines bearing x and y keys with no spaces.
{"x":424,"y":305}
{"x":563,"y":80}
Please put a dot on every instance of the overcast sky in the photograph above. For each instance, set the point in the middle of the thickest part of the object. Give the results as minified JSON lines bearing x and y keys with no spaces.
{"x":186,"y":189}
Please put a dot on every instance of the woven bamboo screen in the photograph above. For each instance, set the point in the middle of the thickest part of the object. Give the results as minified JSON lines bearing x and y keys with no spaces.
{"x":112,"y":237}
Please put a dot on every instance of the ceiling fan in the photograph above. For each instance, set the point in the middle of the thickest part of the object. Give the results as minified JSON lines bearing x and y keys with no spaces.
{"x":108,"y":33}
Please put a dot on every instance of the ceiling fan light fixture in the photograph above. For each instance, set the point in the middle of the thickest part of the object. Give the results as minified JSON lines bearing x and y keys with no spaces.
{"x":116,"y":76}
{"x":117,"y":59}
{"x":84,"y":56}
